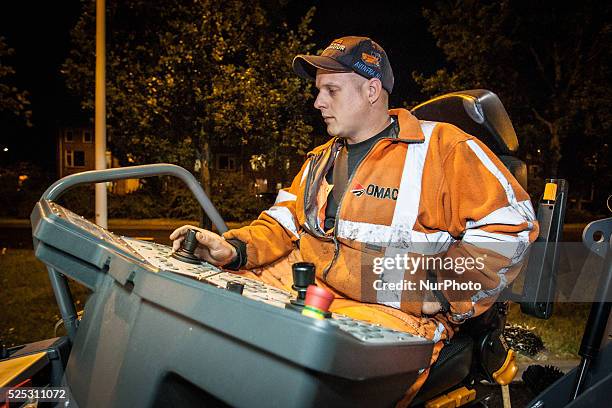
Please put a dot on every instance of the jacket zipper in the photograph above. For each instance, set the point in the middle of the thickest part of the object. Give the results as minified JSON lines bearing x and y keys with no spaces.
{"x":317,"y":230}
{"x":334,"y":236}
{"x":334,"y":233}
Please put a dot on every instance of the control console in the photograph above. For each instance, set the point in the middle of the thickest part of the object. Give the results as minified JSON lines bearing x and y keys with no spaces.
{"x":161,"y":256}
{"x":166,"y":329}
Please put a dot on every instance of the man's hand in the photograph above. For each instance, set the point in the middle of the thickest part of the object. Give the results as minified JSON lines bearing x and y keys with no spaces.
{"x":430,"y":308}
{"x":211,"y":247}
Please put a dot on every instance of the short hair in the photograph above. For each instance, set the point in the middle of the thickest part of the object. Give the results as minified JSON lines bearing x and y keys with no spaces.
{"x":383,"y":92}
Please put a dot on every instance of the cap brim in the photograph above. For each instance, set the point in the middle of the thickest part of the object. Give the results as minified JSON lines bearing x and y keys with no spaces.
{"x":306,"y":65}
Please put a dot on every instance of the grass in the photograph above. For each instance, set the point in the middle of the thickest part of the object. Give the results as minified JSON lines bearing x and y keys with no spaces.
{"x":28,"y":310}
{"x":561,"y":333}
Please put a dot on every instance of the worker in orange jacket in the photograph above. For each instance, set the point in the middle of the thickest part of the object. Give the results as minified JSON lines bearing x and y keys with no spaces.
{"x":385,"y":209}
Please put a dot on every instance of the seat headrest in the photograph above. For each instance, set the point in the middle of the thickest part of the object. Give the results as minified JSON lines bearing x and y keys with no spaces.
{"x":478,"y":112}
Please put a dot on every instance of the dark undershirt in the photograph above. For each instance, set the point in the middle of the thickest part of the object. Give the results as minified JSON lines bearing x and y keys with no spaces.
{"x":356,"y":152}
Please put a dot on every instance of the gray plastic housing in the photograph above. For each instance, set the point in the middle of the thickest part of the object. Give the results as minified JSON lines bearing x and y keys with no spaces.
{"x":150,"y":337}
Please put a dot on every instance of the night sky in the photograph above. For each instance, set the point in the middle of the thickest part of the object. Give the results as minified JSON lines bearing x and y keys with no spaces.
{"x":40,"y":35}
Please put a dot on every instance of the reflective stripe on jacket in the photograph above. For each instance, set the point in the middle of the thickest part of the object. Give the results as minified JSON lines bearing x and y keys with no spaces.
{"x":431,"y":190}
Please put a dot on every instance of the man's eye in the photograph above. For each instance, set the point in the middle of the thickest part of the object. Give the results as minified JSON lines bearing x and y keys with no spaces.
{"x":332,"y":91}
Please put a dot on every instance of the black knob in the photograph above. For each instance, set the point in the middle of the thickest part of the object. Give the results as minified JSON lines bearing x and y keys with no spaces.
{"x":186,"y":252}
{"x":235,"y":287}
{"x":190,"y":243}
{"x":303,"y":275}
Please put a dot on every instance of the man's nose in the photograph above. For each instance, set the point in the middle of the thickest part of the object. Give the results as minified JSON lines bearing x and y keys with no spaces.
{"x":319,"y":102}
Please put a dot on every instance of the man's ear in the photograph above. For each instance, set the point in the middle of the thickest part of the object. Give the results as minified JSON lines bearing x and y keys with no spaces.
{"x":374,"y":90}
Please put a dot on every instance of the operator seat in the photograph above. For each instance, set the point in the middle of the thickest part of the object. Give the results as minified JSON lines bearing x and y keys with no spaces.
{"x":480,"y":113}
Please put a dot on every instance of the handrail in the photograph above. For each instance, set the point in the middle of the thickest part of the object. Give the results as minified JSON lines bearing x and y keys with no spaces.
{"x":147,"y":170}
{"x":58,"y":280}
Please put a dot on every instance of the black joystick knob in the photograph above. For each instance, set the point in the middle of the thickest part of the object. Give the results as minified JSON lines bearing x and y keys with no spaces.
{"x":186,"y":252}
{"x":303,"y":276}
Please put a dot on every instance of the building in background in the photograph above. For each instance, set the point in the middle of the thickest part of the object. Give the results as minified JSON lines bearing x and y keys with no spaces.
{"x":76,"y":153}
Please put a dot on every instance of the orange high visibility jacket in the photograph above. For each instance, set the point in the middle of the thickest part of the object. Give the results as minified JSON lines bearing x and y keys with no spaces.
{"x":431,"y":191}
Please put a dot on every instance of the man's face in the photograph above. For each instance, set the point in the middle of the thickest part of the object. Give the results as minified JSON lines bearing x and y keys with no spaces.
{"x":342,"y":101}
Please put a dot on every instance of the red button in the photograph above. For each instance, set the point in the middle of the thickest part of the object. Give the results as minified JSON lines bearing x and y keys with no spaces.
{"x":319,"y":298}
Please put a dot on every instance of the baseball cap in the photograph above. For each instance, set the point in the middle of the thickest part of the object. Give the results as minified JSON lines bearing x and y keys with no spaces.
{"x":348,"y":54}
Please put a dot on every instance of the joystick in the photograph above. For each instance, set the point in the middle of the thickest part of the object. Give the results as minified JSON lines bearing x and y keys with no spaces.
{"x":303,"y":276}
{"x":186,"y":252}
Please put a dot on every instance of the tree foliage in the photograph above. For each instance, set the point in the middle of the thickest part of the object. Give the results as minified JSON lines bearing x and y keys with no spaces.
{"x":12,"y":100}
{"x":21,"y":185}
{"x":550,"y":64}
{"x":185,"y":75}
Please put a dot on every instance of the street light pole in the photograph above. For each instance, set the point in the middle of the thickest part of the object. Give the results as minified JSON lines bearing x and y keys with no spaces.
{"x":100,"y":112}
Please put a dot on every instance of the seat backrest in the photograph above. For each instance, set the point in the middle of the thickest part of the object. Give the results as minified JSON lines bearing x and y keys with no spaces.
{"x":517,"y":167}
{"x":478,"y":112}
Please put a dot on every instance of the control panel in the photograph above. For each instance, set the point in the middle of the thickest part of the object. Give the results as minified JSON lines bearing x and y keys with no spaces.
{"x":155,"y":312}
{"x":160,"y":256}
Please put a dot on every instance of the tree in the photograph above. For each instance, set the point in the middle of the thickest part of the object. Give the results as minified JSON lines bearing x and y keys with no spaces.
{"x":12,"y":100}
{"x":185,"y":75}
{"x":548,"y":62}
{"x":21,"y":185}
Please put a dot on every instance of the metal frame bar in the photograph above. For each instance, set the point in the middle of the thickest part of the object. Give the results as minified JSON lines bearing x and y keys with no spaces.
{"x":59,"y":282}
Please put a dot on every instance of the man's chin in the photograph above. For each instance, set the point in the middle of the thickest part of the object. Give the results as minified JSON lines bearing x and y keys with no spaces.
{"x":333,"y":132}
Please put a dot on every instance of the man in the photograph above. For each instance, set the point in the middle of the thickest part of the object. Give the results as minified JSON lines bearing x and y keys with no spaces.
{"x":384,"y":186}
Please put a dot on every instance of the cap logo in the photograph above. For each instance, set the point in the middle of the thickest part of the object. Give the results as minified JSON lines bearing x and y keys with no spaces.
{"x":371,"y":59}
{"x":366,"y":70}
{"x":336,"y":46}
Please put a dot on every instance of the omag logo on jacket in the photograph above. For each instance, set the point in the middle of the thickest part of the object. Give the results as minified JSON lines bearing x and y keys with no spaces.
{"x":376,"y":191}
{"x":358,"y":190}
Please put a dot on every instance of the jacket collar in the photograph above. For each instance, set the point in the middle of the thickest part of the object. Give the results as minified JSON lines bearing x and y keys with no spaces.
{"x":409,"y":126}
{"x":409,"y":130}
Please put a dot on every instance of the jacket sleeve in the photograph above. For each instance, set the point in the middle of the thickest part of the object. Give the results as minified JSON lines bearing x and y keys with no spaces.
{"x":492,"y":216}
{"x":274,"y":233}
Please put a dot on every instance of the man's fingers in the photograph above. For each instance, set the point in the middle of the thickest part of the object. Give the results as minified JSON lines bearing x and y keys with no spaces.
{"x":430,"y":308}
{"x":211,"y":247}
{"x":176,"y":244}
{"x":218,"y":250}
{"x":181,"y":231}
{"x":204,"y":254}
{"x":209,"y":239}
{"x":203,"y":239}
